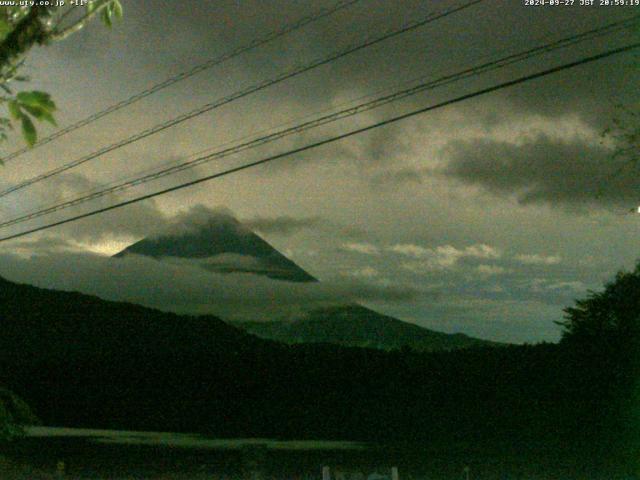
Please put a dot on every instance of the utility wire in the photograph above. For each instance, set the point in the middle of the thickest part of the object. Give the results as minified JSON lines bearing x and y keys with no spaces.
{"x":333,"y":139}
{"x":344,"y":104}
{"x":339,"y":115}
{"x":256,"y":43}
{"x":240,"y":94}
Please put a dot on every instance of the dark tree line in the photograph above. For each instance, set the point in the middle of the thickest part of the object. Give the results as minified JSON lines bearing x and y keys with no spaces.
{"x":80,"y":361}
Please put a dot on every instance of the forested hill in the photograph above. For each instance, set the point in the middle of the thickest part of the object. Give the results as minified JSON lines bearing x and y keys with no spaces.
{"x":47,"y":324}
{"x":81,"y":361}
{"x":357,"y":326}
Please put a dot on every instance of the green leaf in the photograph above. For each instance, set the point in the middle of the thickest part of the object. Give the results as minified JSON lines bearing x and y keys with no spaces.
{"x":105,"y":14}
{"x":47,"y":117}
{"x":5,"y":28}
{"x":37,"y":99}
{"x":40,"y":114}
{"x":14,"y":110}
{"x":117,"y":9}
{"x":29,"y":131}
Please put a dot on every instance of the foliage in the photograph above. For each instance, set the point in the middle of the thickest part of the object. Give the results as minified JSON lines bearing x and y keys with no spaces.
{"x":22,"y":28}
{"x":611,"y":317}
{"x":130,"y":367}
{"x":14,"y":414}
{"x":624,"y":136}
{"x":604,"y":330}
{"x":625,"y":133}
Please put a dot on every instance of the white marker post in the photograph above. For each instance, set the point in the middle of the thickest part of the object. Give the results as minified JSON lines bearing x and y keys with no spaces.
{"x":326,"y":473}
{"x":60,"y":469}
{"x":394,"y":473}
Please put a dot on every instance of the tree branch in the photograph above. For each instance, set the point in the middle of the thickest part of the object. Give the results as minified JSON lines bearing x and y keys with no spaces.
{"x":80,"y":23}
{"x":29,"y":31}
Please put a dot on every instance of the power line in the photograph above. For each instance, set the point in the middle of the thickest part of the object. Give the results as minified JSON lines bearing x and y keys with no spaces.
{"x":256,"y":43}
{"x":333,"y":139}
{"x":339,"y":115}
{"x":601,"y":32}
{"x":240,"y":94}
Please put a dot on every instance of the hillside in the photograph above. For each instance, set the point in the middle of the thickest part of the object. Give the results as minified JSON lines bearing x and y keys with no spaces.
{"x":222,"y":244}
{"x":56,"y":325}
{"x":357,"y":326}
{"x":80,"y":361}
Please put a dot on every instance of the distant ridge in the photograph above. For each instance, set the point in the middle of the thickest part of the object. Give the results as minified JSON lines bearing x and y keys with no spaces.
{"x":357,"y":326}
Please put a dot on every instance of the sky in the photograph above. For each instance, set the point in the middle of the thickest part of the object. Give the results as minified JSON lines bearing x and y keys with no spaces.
{"x":487,"y":217}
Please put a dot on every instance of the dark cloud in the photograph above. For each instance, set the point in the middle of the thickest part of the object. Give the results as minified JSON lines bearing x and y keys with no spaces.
{"x":286,"y":225}
{"x":47,"y":244}
{"x":544,"y":170}
{"x":195,"y":218}
{"x":133,"y":221}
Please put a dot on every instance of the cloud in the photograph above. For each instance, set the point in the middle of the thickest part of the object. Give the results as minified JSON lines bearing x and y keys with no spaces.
{"x":128,"y":222}
{"x":382,"y":146}
{"x":441,"y":257}
{"x":282,"y":225}
{"x":490,"y":269}
{"x":543,"y":170}
{"x":229,"y":261}
{"x":398,"y":177}
{"x":410,"y":250}
{"x":535,"y":259}
{"x":199,"y":216}
{"x":182,"y":286}
{"x":365,"y":272}
{"x":195,"y":218}
{"x":575,"y":286}
{"x":363,"y":248}
{"x":47,"y":244}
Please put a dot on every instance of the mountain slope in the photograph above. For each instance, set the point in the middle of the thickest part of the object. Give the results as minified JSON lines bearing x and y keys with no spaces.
{"x":70,"y":324}
{"x":228,"y":246}
{"x":223,"y":238}
{"x":357,"y":326}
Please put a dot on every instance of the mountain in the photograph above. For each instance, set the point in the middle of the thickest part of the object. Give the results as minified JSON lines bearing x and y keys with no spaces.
{"x":357,"y":326}
{"x":225,"y":239}
{"x":226,"y":246}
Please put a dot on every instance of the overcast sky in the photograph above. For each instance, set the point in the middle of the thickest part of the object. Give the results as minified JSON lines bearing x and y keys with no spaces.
{"x":486,"y":217}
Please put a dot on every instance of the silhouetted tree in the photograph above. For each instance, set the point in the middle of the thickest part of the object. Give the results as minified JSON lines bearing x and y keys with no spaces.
{"x":23,"y":27}
{"x":602,"y":333}
{"x":609,"y":318}
{"x":14,"y":414}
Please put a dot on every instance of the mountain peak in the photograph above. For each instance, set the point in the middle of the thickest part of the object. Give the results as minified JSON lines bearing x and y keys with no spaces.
{"x":199,"y":220}
{"x":218,"y":237}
